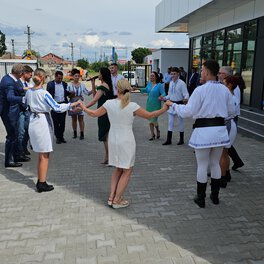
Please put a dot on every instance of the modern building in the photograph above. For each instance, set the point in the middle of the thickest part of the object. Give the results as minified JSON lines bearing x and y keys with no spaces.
{"x":170,"y":57}
{"x":229,"y":31}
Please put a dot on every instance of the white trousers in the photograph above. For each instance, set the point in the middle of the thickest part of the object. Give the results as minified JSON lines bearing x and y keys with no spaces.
{"x":205,"y":157}
{"x":171,"y":119}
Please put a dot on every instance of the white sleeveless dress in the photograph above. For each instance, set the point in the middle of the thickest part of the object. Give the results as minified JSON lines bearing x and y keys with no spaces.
{"x":121,"y":141}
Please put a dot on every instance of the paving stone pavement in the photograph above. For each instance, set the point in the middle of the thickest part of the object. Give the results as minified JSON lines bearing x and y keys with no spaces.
{"x":73,"y":224}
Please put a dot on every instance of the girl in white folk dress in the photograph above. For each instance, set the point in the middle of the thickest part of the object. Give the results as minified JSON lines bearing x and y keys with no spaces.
{"x":122,"y":145}
{"x":40,"y":125}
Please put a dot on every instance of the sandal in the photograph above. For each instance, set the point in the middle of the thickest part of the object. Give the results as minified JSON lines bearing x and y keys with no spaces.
{"x":121,"y":204}
{"x":110,"y":202}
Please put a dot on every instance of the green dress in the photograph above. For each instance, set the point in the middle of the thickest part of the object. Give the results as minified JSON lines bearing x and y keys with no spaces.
{"x":103,"y":121}
{"x":153,"y":102}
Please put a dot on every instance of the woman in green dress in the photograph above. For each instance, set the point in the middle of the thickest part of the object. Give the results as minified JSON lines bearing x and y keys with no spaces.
{"x":155,"y":90}
{"x":104,"y":92}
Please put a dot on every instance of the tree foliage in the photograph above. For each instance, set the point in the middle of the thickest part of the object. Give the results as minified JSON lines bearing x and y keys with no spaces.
{"x":2,"y":44}
{"x":96,"y":66}
{"x":139,"y":54}
{"x":83,"y":63}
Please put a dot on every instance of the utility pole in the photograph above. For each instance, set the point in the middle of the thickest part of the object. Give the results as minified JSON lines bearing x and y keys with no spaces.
{"x":13,"y":49}
{"x":72,"y":53}
{"x":28,"y":33}
{"x":80,"y":52}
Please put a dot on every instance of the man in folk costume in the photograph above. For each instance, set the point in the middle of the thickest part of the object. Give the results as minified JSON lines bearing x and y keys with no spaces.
{"x":209,"y":105}
{"x":178,"y":93}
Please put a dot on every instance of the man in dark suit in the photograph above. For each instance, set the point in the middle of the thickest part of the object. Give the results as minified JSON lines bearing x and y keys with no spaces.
{"x":24,"y":115}
{"x":58,"y":90}
{"x":11,"y":100}
{"x":193,"y":82}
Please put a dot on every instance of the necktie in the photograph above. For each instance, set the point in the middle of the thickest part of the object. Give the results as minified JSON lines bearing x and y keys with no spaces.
{"x":25,"y":83}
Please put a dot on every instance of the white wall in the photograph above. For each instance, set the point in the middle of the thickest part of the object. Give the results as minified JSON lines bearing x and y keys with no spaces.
{"x":207,"y":18}
{"x":232,"y":16}
{"x":170,"y":57}
{"x":169,"y":11}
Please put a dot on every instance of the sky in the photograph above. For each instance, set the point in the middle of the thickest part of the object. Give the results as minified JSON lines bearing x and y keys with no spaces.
{"x":93,"y":26}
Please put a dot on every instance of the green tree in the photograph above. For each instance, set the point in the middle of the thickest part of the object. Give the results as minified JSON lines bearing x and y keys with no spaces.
{"x":2,"y":44}
{"x":96,"y":66}
{"x":83,"y":63}
{"x":139,"y":54}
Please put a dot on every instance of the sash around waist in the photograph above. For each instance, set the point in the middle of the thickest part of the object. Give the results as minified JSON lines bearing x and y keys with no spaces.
{"x":178,"y":102}
{"x":209,"y":122}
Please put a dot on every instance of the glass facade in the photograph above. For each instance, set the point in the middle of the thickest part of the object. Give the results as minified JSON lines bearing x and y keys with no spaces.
{"x":233,"y":46}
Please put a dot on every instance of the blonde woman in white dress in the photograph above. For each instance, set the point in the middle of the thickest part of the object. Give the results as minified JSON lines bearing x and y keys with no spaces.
{"x":40,"y":125}
{"x":122,"y":145}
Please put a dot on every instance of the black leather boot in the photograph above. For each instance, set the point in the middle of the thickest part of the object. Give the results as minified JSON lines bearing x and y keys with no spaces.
{"x":228,"y":176}
{"x":201,"y":194}
{"x":44,"y":187}
{"x":223,"y":182}
{"x":238,"y":163}
{"x":181,"y":141}
{"x":74,"y":134}
{"x":81,"y":135}
{"x":215,"y":187}
{"x":169,"y":137}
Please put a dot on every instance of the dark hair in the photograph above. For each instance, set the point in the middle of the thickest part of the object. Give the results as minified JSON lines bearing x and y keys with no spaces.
{"x":212,"y":66}
{"x":57,"y":73}
{"x":106,"y":76}
{"x":75,"y":71}
{"x":175,"y":69}
{"x":233,"y":80}
{"x":156,"y":76}
{"x":241,"y":82}
{"x":27,"y":69}
{"x":114,"y":64}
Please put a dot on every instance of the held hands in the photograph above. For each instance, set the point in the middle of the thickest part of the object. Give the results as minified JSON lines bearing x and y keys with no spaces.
{"x":169,"y":103}
{"x":81,"y":105}
{"x":165,"y":107}
{"x":76,"y":106}
{"x":161,"y":98}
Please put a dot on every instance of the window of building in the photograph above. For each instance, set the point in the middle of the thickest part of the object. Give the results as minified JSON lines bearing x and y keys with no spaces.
{"x":250,"y":29}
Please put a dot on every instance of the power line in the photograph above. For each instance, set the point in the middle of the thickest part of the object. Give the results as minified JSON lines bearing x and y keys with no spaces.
{"x":28,"y":33}
{"x":72,"y":47}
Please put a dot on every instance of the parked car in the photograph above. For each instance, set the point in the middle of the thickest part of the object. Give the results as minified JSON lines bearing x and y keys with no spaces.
{"x":132,"y":77}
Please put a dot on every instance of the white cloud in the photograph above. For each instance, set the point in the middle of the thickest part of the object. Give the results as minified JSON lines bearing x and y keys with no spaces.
{"x":95,"y":41}
{"x":166,"y":43}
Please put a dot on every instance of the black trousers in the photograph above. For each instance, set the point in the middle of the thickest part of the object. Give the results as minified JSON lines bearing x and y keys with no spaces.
{"x":11,"y":137}
{"x":59,"y":124}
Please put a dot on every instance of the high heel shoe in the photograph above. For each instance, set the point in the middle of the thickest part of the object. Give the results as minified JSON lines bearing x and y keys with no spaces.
{"x":152,"y":138}
{"x":158,"y":134}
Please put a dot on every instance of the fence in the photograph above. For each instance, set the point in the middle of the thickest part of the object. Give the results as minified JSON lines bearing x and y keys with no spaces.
{"x":6,"y":65}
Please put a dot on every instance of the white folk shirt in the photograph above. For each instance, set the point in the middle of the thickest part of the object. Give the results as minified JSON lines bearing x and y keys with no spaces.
{"x":210,"y":100}
{"x":177,"y":91}
{"x":59,"y":92}
{"x":114,"y":81}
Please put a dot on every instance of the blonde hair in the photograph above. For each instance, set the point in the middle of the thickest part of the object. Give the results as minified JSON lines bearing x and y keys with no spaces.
{"x":123,"y":87}
{"x":39,"y":76}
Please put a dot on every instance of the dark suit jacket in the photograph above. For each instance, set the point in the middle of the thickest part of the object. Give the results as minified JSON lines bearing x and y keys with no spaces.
{"x":51,"y":90}
{"x":193,"y":82}
{"x":11,"y":94}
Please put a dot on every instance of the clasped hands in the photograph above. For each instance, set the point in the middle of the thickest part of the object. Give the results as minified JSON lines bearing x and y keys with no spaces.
{"x":77,"y":106}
